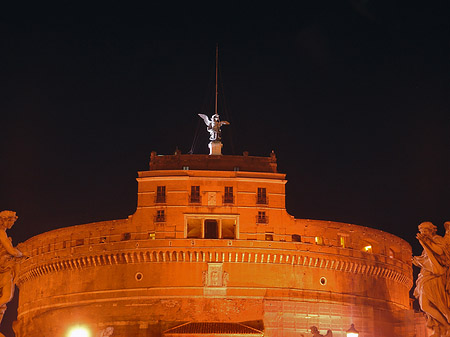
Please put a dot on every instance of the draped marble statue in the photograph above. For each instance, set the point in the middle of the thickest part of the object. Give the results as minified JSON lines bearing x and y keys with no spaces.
{"x":315,"y":332}
{"x":433,"y":283}
{"x":107,"y":332}
{"x":8,"y":260}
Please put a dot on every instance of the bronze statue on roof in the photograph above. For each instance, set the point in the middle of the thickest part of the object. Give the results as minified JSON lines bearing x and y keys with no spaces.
{"x":213,"y":126}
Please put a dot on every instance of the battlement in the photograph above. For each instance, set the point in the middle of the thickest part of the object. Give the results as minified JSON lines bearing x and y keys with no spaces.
{"x":245,"y":162}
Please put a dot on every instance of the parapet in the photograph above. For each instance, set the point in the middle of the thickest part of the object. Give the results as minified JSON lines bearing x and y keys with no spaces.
{"x":245,"y":162}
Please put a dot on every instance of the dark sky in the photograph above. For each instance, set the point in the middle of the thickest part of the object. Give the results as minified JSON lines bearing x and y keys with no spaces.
{"x":353,"y":96}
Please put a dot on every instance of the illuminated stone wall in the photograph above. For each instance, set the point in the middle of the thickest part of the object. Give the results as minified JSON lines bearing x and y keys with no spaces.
{"x":144,"y":275}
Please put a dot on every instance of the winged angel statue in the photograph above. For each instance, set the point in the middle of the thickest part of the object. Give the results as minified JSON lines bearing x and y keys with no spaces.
{"x":315,"y":332}
{"x":433,"y":283}
{"x":213,"y":126}
{"x":9,"y":258}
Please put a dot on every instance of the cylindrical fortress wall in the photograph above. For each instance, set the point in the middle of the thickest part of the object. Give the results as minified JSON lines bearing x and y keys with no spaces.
{"x":105,"y":273}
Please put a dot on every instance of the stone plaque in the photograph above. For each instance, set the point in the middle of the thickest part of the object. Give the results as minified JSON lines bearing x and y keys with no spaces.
{"x":215,"y":280}
{"x":211,"y":198}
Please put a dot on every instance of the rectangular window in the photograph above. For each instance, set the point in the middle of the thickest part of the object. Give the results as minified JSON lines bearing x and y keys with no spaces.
{"x":269,"y":237}
{"x":161,"y":194}
{"x":125,"y":236}
{"x":296,"y":238}
{"x":195,"y":194}
{"x":152,"y":236}
{"x":261,"y":196}
{"x":160,"y":216}
{"x":343,"y":241}
{"x":318,"y":240}
{"x":228,"y":197}
{"x":262,"y":217}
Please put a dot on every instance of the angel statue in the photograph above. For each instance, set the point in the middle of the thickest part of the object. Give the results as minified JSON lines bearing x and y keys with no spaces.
{"x":213,"y":126}
{"x":8,"y":260}
{"x":316,"y":332}
{"x":107,"y":332}
{"x":433,"y":281}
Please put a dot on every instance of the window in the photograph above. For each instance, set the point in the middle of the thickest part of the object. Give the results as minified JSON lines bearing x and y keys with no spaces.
{"x":195,"y":194}
{"x":228,"y":197}
{"x":152,"y":236}
{"x":160,"y":216}
{"x":262,"y":217}
{"x":269,"y":237}
{"x":343,"y":241}
{"x":367,"y":248}
{"x":161,"y":194}
{"x":125,"y":236}
{"x":296,"y":238}
{"x":318,"y":240}
{"x":261,"y":196}
{"x":211,"y":228}
{"x":391,"y":253}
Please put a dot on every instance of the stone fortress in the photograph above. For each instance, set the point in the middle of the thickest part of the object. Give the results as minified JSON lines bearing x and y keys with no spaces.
{"x":211,"y":250}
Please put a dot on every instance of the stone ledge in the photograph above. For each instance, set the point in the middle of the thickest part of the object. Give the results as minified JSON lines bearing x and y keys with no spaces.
{"x":232,"y":255}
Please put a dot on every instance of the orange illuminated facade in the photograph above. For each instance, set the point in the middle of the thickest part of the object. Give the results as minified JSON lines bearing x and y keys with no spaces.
{"x":211,"y":250}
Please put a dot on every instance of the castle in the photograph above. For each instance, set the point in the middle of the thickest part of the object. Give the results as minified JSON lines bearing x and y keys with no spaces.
{"x":211,"y":250}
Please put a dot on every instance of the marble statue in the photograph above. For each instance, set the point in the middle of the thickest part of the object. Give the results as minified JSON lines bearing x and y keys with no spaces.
{"x":107,"y":332}
{"x":8,"y":260}
{"x":315,"y":332}
{"x":213,"y":126}
{"x":433,"y":283}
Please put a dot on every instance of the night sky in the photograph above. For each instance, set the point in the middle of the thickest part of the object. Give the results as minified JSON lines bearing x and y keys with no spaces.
{"x":353,"y":97}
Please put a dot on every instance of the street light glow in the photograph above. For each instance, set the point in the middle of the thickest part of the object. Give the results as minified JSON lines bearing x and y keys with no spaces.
{"x":79,"y":331}
{"x":352,"y":332}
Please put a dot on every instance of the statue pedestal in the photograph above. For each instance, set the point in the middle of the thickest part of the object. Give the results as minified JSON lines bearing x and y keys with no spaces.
{"x":215,"y":147}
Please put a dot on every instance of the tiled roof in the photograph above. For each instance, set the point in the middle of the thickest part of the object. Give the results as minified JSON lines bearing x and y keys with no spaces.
{"x":213,"y":328}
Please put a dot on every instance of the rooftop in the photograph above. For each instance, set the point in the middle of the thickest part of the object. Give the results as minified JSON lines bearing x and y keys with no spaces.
{"x":213,"y":328}
{"x":245,"y":162}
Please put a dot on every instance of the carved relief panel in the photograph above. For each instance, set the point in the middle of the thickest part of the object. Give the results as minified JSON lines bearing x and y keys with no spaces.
{"x":215,"y":280}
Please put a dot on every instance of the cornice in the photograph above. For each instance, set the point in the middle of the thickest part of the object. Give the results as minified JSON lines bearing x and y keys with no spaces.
{"x":220,"y":255}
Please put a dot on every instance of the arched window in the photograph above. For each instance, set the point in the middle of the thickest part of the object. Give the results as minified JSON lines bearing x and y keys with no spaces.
{"x":367,"y":247}
{"x":391,"y":253}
